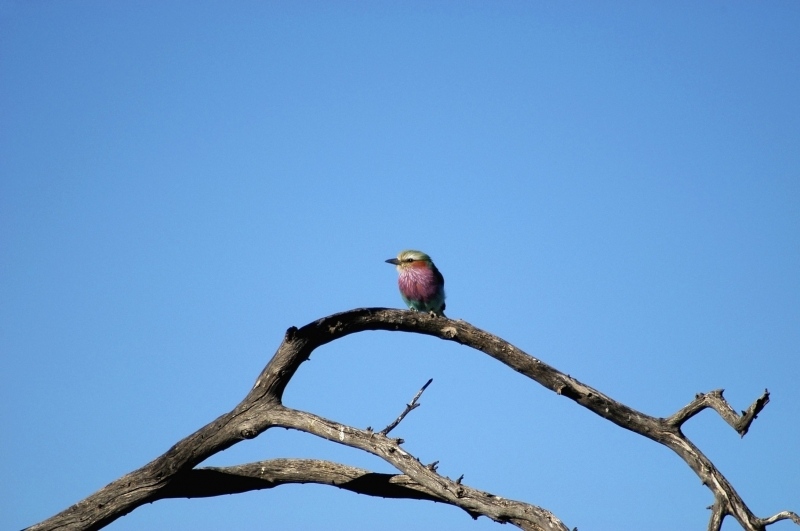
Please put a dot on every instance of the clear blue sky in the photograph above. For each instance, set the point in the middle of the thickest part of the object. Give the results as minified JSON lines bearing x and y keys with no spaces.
{"x":612,"y":187}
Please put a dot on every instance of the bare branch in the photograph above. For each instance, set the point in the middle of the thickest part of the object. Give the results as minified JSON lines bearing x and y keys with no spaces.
{"x":717,"y":515}
{"x":783,"y":515}
{"x":409,"y":407}
{"x":262,"y":408}
{"x":217,"y":481}
{"x":715,"y":400}
{"x":471,"y":500}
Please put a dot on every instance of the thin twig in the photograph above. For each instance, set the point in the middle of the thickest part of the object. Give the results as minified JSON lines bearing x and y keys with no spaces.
{"x":409,"y":408}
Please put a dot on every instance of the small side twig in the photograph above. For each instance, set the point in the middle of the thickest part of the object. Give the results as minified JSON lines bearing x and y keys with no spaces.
{"x":715,"y":400}
{"x":409,"y":408}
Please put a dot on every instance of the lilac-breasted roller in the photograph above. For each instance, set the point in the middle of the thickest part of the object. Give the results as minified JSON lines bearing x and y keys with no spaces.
{"x":421,"y":285}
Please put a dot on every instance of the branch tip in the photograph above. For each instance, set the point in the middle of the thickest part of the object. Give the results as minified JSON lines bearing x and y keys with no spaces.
{"x":783,"y":515}
{"x":716,"y":401}
{"x":411,"y":406}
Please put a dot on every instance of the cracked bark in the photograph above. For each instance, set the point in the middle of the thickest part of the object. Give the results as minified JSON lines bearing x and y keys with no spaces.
{"x":262,"y":408}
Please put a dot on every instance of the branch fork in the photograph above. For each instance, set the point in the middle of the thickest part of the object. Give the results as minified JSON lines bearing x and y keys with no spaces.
{"x":715,"y":400}
{"x":173,"y":474}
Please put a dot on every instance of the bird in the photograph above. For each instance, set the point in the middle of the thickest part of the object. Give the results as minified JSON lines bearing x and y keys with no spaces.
{"x":421,"y":284}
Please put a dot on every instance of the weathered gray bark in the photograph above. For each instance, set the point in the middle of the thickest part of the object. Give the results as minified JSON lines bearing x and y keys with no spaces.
{"x":174,"y":475}
{"x":216,"y":481}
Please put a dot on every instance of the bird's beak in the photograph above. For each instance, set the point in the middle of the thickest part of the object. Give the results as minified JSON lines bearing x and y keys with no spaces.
{"x":394,"y":261}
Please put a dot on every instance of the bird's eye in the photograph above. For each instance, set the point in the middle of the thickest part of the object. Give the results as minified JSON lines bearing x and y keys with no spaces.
{"x":408,"y":260}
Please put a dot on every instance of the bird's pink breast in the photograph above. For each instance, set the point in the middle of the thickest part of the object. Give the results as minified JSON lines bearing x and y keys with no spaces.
{"x":418,"y":283}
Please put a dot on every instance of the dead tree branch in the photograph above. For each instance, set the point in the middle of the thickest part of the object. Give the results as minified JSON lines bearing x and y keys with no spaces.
{"x":783,"y":515}
{"x":409,"y":408}
{"x":217,"y":481}
{"x":471,"y":500}
{"x":262,"y":409}
{"x":714,"y":399}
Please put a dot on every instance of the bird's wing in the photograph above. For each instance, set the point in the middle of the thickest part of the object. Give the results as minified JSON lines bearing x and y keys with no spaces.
{"x":438,"y":276}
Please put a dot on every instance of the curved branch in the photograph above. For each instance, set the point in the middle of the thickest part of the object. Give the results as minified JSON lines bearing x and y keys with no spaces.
{"x":783,"y":515}
{"x":473,"y":501}
{"x":263,"y":405}
{"x":217,"y":481}
{"x":664,"y":431}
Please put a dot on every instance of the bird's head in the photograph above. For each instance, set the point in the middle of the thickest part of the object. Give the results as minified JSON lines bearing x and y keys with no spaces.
{"x":410,"y":258}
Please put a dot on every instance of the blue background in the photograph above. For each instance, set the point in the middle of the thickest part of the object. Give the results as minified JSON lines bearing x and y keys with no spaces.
{"x":613,"y":188}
